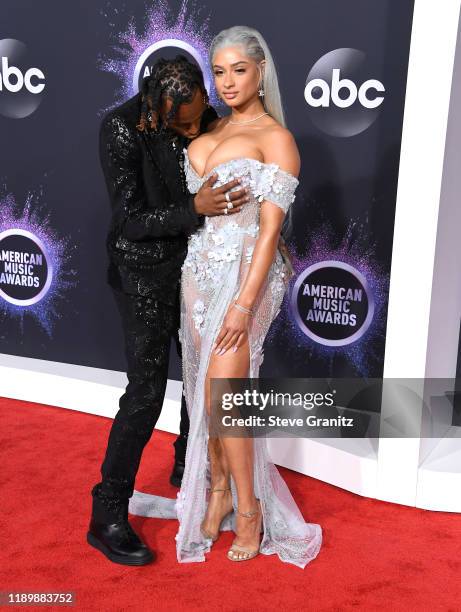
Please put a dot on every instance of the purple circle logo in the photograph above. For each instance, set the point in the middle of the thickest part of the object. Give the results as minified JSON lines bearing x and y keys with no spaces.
{"x":167,"y":49}
{"x":332,"y":303}
{"x":25,"y":268}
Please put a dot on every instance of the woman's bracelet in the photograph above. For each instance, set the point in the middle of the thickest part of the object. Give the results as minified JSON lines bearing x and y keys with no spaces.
{"x":242,"y":308}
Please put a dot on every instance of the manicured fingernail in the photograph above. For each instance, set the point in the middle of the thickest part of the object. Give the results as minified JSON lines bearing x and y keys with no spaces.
{"x":217,"y":351}
{"x":234,"y":349}
{"x":222,"y":351}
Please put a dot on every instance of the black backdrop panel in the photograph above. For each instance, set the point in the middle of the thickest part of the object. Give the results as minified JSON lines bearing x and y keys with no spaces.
{"x":345,"y":205}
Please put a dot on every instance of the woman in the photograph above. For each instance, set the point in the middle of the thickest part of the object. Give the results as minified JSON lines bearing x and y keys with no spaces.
{"x":232,"y":285}
{"x":233,"y":282}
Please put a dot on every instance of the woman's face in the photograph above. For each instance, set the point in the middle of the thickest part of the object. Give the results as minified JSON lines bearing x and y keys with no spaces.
{"x":236,"y":76}
{"x":188,"y":116}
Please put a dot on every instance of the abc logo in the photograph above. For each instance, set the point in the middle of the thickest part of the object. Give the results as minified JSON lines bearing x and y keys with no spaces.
{"x":342,"y":98}
{"x":21,"y":85}
{"x":6,"y":81}
{"x":338,"y":84}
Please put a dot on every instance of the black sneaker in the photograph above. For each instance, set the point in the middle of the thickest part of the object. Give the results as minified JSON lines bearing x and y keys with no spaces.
{"x":119,"y":543}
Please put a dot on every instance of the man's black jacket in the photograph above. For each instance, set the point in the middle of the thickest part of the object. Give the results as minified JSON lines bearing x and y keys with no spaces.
{"x":152,"y":211}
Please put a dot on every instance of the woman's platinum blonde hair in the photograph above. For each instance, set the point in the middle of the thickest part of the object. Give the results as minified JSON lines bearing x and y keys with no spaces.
{"x":256,"y":48}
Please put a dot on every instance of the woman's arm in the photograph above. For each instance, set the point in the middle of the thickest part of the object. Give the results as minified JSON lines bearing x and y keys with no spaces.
{"x":281,"y":150}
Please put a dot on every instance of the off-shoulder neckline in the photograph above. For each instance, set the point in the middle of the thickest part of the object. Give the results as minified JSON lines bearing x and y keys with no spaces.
{"x":250,"y":159}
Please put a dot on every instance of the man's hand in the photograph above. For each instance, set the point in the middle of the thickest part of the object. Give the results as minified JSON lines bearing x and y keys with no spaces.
{"x":211,"y":202}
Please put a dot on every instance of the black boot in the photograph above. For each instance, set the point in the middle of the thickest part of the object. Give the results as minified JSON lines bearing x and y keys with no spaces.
{"x":180,"y":445}
{"x":111,"y":533}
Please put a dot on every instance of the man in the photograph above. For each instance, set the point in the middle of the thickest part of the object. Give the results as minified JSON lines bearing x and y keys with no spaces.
{"x":141,"y":152}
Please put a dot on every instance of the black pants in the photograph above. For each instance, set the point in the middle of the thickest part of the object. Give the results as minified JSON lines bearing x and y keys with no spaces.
{"x":148,"y":326}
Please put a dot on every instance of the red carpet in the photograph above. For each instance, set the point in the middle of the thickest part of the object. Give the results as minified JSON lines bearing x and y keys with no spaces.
{"x":375,"y":556}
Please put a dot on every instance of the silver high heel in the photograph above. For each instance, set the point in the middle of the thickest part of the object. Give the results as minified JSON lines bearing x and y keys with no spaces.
{"x":235,"y":549}
{"x":207,"y":534}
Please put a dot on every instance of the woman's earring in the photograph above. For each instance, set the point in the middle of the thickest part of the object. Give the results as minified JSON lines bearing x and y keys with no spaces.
{"x":261,"y":88}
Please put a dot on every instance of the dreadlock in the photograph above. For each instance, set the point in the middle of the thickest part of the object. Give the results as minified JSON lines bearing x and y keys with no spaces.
{"x":176,"y":79}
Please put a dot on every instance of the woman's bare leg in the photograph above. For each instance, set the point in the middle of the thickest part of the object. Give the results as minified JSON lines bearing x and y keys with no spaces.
{"x":238,"y":452}
{"x":220,"y":501}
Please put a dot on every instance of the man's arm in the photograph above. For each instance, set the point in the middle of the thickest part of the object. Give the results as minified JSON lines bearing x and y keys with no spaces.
{"x":136,"y":218}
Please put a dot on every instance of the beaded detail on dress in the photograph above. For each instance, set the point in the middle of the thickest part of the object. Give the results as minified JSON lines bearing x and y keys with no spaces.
{"x":211,"y":250}
{"x":266,"y":181}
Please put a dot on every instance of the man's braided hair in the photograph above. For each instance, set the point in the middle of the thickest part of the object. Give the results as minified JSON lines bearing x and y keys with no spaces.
{"x":177,"y":79}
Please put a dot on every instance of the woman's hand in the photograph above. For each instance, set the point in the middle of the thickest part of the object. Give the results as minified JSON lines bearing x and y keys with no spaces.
{"x":234,"y":330}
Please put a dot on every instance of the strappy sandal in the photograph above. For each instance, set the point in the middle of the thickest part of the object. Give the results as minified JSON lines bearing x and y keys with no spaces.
{"x":235,"y":549}
{"x":207,"y":534}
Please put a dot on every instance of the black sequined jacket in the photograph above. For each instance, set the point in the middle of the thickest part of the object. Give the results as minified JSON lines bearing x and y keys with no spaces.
{"x":152,"y":211}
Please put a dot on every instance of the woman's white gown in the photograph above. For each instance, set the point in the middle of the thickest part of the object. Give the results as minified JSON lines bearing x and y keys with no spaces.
{"x":218,"y":258}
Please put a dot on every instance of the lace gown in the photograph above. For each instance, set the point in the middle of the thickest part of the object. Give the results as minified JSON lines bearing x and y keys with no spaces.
{"x":218,"y":259}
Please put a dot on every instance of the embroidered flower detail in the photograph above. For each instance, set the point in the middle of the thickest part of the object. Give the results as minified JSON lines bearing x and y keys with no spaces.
{"x":223,"y":173}
{"x":249,"y":254}
{"x":252,"y":230}
{"x":279,"y":278}
{"x":230,"y":253}
{"x":276,"y":186}
{"x":217,"y":239}
{"x":198,"y":315}
{"x":216,"y":245}
{"x":266,"y":180}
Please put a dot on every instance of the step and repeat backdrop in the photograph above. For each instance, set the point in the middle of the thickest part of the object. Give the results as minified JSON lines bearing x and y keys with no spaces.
{"x":342,"y":69}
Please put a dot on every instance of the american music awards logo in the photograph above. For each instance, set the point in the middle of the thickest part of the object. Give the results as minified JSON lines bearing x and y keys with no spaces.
{"x":336,"y":303}
{"x":35,"y":262}
{"x":26,"y":270}
{"x":164,"y":34}
{"x":332,"y":303}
